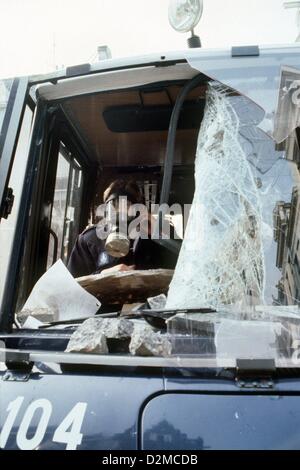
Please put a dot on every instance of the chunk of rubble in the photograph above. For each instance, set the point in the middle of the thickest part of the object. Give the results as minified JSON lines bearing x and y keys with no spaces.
{"x":146,"y":342}
{"x":157,"y":303}
{"x":44,"y":315}
{"x":87,"y":339}
{"x":115,"y":328}
{"x":91,"y":337}
{"x":95,"y":335}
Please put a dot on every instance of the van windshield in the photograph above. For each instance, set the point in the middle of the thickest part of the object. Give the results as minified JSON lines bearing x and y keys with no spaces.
{"x":241,"y":253}
{"x":237,"y":277}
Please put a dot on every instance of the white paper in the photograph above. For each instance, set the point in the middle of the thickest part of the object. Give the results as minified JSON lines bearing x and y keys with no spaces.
{"x":57,"y":290}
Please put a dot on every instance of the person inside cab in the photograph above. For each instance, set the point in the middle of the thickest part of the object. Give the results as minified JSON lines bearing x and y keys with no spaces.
{"x":104,"y":248}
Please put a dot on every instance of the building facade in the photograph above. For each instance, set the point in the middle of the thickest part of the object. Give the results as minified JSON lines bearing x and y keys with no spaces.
{"x":287,"y":233}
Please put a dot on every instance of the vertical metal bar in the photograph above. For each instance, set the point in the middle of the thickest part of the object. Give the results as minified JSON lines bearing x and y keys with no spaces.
{"x":70,"y":177}
{"x":170,"y":151}
{"x":11,"y":128}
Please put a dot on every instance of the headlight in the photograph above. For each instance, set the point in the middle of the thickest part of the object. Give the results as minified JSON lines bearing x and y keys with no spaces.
{"x":184,"y":15}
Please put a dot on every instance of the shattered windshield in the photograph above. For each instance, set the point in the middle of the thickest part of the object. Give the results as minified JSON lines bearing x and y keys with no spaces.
{"x":242,"y":239}
{"x":270,"y":79}
{"x":241,"y":251}
{"x":237,"y":277}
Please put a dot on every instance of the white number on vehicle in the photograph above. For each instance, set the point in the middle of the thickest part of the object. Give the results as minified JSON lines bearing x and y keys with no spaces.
{"x":68,"y":432}
{"x":13,"y":409}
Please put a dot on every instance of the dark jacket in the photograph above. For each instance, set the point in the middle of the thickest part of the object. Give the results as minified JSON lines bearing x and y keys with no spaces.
{"x":90,"y":257}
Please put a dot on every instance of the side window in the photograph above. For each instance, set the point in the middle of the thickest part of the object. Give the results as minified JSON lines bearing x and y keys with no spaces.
{"x":73,"y":208}
{"x":66,"y":206}
{"x":16,"y":181}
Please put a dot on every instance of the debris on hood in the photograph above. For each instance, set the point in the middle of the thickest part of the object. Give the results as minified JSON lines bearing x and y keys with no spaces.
{"x":157,"y":303}
{"x":146,"y":342}
{"x":87,"y":340}
{"x":93,"y":335}
{"x":58,"y":297}
{"x":33,"y":318}
{"x":114,"y":328}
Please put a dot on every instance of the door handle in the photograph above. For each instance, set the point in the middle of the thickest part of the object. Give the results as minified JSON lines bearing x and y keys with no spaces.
{"x":55,"y":249}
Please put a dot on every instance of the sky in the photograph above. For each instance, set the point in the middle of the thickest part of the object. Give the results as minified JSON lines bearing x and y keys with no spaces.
{"x":37,"y":36}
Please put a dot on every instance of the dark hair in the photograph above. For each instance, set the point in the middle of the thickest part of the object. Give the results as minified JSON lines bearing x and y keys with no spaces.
{"x":121,"y":187}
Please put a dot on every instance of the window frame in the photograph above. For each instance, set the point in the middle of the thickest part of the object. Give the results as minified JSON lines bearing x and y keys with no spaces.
{"x":10,"y":130}
{"x":74,"y":164}
{"x":30,"y":252}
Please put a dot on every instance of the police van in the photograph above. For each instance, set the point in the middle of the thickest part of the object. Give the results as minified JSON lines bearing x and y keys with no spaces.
{"x":218,"y":127}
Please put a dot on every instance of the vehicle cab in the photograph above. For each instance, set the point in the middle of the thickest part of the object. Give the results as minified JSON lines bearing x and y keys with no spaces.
{"x":64,"y":137}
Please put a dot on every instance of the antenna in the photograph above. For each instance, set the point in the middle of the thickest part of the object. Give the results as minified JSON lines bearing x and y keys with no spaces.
{"x":295,"y":5}
{"x":54,"y":51}
{"x":103,"y":53}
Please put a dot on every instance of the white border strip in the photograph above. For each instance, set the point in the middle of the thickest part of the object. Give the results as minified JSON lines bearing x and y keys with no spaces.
{"x":120,"y":360}
{"x":114,"y":360}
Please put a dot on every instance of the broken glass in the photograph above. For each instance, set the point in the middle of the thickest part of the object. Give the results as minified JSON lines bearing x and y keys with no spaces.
{"x":260,"y":78}
{"x":241,"y":244}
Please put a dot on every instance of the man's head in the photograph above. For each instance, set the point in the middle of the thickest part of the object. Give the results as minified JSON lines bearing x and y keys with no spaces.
{"x":122,"y":188}
{"x":118,"y":198}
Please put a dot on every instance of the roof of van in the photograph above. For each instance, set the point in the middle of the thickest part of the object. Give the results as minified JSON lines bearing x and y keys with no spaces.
{"x":159,"y":58}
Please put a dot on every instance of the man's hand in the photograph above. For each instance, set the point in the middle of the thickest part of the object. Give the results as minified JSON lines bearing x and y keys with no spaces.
{"x":118,"y":269}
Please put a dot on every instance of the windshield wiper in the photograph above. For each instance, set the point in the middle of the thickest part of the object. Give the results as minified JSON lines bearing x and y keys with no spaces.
{"x":158,"y":318}
{"x":78,"y":321}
